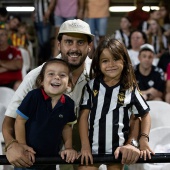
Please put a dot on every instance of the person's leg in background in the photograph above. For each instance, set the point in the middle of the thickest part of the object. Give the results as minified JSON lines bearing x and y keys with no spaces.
{"x":43,"y":33}
{"x":101,"y":25}
{"x":91,"y":22}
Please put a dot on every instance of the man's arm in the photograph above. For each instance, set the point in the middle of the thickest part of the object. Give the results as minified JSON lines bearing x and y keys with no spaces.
{"x":81,"y":9}
{"x":2,"y":69}
{"x":16,"y":154}
{"x":15,"y":64}
{"x":50,"y":9}
{"x":152,"y":93}
{"x":27,"y":85}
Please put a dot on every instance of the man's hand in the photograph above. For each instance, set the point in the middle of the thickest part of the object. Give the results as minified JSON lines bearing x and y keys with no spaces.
{"x":130,"y":154}
{"x":17,"y":155}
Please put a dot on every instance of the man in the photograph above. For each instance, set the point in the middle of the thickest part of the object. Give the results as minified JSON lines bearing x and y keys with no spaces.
{"x":74,"y":43}
{"x":10,"y":62}
{"x":150,"y":78}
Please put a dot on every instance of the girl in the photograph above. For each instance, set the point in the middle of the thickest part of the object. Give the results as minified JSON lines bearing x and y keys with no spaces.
{"x":110,"y":99}
{"x":156,"y":38}
{"x":123,"y":33}
{"x":45,"y":115}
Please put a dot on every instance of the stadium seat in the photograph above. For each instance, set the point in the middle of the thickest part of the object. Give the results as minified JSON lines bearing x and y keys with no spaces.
{"x":160,"y":116}
{"x":5,"y":95}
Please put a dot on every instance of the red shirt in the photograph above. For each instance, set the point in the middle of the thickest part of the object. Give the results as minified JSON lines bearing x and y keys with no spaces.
{"x":137,"y":16}
{"x":11,"y":53}
{"x":168,"y":72}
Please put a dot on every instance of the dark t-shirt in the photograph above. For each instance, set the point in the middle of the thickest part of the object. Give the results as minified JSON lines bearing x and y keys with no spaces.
{"x":44,"y":125}
{"x":155,"y":79}
{"x":163,"y":61}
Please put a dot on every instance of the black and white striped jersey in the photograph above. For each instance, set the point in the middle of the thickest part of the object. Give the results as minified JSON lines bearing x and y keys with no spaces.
{"x":110,"y":111}
{"x":41,"y":7}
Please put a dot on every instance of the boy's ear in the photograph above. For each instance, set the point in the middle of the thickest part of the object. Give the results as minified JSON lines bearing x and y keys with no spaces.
{"x":42,"y":84}
{"x":69,"y":88}
{"x":70,"y":85}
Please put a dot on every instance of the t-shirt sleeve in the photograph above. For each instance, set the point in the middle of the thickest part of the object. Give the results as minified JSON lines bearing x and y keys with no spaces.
{"x":139,"y":105}
{"x":28,"y":105}
{"x":27,"y":85}
{"x":160,"y":83}
{"x":86,"y":98}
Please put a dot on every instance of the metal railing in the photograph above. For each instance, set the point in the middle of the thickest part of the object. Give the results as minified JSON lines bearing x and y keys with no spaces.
{"x":103,"y":159}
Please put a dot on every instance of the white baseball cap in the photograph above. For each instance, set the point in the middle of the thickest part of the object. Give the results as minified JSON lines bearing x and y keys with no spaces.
{"x":147,"y":47}
{"x":75,"y":26}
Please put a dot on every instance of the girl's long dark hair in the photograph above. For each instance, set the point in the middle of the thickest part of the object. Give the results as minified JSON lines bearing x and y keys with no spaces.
{"x":119,"y":51}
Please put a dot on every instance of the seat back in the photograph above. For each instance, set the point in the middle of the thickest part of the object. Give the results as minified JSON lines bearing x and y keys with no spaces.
{"x":6,"y":95}
{"x":159,"y":136}
{"x":26,"y":61}
{"x":160,"y":113}
{"x":2,"y":114}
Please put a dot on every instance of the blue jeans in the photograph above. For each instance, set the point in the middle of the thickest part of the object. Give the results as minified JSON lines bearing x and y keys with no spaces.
{"x":59,"y":20}
{"x":43,"y":32}
{"x":98,"y":26}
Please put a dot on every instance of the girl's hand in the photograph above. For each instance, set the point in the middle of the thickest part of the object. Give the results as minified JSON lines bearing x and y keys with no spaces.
{"x":145,"y":150}
{"x":130,"y":154}
{"x":70,"y":155}
{"x":85,"y":156}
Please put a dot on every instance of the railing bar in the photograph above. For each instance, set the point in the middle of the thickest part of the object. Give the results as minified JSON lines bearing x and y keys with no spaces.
{"x":157,"y":158}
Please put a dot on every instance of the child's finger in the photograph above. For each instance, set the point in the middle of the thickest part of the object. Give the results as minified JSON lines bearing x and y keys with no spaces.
{"x":82,"y":159}
{"x":91,"y":159}
{"x":62,"y":154}
{"x":87,"y":160}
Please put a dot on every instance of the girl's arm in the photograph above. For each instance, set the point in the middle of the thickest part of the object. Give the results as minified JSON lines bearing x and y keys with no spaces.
{"x":144,"y":136}
{"x":83,"y":130}
{"x":69,"y":152}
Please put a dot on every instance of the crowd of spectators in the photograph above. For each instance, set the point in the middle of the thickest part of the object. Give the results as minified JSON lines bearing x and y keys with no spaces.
{"x":135,"y":29}
{"x":147,"y":39}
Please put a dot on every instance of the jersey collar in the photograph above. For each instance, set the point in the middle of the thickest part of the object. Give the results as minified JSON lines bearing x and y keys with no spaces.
{"x":46,"y":97}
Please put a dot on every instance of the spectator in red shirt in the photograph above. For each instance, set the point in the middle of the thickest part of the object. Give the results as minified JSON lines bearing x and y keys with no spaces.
{"x":167,"y":93}
{"x":10,"y":62}
{"x":138,"y":15}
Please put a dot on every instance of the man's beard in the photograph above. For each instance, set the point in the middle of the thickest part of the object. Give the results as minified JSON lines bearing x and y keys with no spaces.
{"x":74,"y":66}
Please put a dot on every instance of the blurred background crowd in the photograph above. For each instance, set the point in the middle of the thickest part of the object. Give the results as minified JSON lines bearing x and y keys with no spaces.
{"x":25,"y":45}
